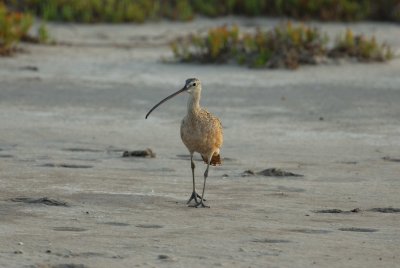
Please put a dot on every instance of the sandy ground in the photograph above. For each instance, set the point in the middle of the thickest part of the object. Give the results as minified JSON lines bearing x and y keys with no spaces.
{"x":64,"y":126}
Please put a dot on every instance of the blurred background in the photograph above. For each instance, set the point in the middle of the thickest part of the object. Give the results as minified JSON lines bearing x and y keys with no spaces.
{"x":17,"y":18}
{"x":92,"y":11}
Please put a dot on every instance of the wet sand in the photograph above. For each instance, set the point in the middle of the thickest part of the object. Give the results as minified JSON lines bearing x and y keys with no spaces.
{"x":68,"y":112}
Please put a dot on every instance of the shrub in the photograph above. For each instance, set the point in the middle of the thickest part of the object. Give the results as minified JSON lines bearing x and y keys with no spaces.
{"x":285,"y":46}
{"x":13,"y":26}
{"x":217,"y":47}
{"x":360,"y":47}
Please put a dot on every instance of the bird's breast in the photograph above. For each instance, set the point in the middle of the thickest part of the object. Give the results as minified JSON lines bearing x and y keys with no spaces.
{"x":201,"y":134}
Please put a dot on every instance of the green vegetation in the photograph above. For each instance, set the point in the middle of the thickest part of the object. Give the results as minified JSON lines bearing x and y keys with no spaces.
{"x":285,"y":46}
{"x":360,"y":47}
{"x":89,"y":11}
{"x":13,"y":26}
{"x":141,"y":10}
{"x":43,"y":34}
{"x":217,"y":47}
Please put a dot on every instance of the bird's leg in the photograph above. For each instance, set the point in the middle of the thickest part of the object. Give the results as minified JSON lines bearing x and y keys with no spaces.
{"x":201,"y":203}
{"x":194,"y":194}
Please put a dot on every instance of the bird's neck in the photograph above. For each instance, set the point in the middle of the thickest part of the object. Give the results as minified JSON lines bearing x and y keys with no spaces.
{"x":193,"y":104}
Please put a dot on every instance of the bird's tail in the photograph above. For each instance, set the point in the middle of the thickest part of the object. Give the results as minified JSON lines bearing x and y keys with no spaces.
{"x":215,"y":160}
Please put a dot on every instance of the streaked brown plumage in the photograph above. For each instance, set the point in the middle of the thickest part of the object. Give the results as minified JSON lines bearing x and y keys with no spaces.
{"x":201,"y":132}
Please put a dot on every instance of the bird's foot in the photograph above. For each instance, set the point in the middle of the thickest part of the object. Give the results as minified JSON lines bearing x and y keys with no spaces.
{"x":194,"y":196}
{"x":199,"y":205}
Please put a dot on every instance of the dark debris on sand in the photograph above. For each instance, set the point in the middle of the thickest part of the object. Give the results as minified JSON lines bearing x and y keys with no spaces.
{"x":248,"y":173}
{"x":148,"y":153}
{"x":391,"y":159}
{"x":63,"y":265}
{"x":386,"y":210}
{"x":272,"y":241}
{"x":65,"y":165}
{"x":276,"y":172}
{"x":356,"y":210}
{"x":358,"y":229}
{"x":270,"y":172}
{"x":336,"y":210}
{"x":43,"y":200}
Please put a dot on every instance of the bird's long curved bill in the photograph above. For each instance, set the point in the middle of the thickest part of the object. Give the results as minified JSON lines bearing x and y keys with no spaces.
{"x":164,"y":100}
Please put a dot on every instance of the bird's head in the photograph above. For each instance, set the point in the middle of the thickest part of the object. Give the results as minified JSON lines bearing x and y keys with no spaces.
{"x":192,"y":86}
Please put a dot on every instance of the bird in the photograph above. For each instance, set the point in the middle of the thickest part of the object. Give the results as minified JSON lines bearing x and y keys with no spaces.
{"x":201,"y":132}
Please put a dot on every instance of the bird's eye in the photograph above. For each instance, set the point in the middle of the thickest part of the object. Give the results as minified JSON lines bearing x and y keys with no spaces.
{"x":194,"y":84}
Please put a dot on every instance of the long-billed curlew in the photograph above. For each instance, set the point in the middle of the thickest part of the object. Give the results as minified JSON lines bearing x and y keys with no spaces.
{"x":200,"y":132}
